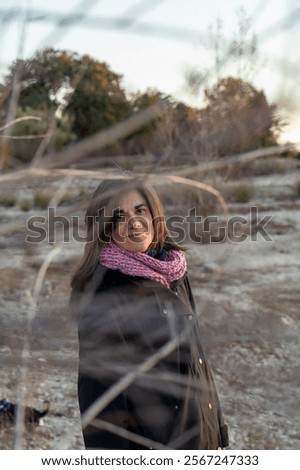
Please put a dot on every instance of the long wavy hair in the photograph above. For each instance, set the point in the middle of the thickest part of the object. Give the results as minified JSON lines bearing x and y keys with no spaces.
{"x":99,"y":221}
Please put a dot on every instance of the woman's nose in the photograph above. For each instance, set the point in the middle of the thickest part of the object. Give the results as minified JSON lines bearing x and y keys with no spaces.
{"x":135,"y":223}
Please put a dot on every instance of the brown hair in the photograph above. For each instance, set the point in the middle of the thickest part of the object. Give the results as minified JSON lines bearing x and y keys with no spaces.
{"x":99,"y":220}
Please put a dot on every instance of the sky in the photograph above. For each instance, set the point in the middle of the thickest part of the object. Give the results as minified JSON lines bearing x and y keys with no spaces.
{"x":158,"y":43}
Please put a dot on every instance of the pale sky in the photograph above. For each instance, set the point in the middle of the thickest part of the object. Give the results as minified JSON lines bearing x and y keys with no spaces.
{"x":162,"y":40}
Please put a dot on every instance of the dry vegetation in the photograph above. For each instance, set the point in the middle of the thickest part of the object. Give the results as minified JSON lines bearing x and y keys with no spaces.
{"x":247,"y":296}
{"x":247,"y":293}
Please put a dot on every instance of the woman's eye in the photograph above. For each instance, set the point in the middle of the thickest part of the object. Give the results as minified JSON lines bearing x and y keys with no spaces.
{"x":141,"y":211}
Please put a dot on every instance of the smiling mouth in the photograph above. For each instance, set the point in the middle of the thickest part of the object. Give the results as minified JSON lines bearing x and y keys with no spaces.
{"x":136,"y":235}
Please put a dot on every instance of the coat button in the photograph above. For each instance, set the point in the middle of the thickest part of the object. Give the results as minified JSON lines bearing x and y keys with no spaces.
{"x":165,"y":311}
{"x":176,"y":407}
{"x":200,"y":360}
{"x":191,"y":317}
{"x":210,"y":406}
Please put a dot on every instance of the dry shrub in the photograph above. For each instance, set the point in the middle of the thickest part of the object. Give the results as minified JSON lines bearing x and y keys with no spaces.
{"x":297,"y":189}
{"x":178,"y":199}
{"x":8,"y":200}
{"x":185,"y":201}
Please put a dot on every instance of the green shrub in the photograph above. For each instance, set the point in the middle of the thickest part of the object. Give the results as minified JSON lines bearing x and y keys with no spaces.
{"x":83,"y":191}
{"x":25,"y":149}
{"x":25,"y":205}
{"x":243,"y":192}
{"x":127,"y":164}
{"x":41,"y":199}
{"x":297,"y":189}
{"x":8,"y":200}
{"x":67,"y":198}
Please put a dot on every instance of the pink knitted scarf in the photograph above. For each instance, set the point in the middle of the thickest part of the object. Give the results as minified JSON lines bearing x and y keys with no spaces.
{"x":170,"y":269}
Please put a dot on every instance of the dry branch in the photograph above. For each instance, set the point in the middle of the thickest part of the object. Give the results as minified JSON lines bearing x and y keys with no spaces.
{"x":104,"y":138}
{"x":203,"y":167}
{"x":19,"y":428}
{"x":231,"y":160}
{"x":20,"y":119}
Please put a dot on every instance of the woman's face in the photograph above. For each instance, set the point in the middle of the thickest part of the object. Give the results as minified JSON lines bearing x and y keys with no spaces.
{"x":133,"y":227}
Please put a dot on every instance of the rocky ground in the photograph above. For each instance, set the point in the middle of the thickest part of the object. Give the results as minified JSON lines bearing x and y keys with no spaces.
{"x":248,"y":299}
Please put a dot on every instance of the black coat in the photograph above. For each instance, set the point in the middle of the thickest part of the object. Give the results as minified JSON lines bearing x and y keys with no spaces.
{"x":123,"y":321}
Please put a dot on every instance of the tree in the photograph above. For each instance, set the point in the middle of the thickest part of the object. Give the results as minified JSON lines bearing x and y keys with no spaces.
{"x":238,"y":118}
{"x":145,"y":139}
{"x":169,"y":136}
{"x":87,"y":91}
{"x":98,"y":100}
{"x":84,"y":96}
{"x":43,"y":77}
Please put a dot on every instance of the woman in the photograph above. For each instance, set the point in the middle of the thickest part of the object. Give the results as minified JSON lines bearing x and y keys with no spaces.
{"x":138,"y":331}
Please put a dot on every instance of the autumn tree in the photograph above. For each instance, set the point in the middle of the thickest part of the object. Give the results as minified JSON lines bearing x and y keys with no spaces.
{"x":238,"y":118}
{"x":235,"y":118}
{"x":146,"y":138}
{"x":168,"y":136}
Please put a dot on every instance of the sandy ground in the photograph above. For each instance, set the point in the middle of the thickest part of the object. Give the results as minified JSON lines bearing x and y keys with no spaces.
{"x":248,"y":300}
